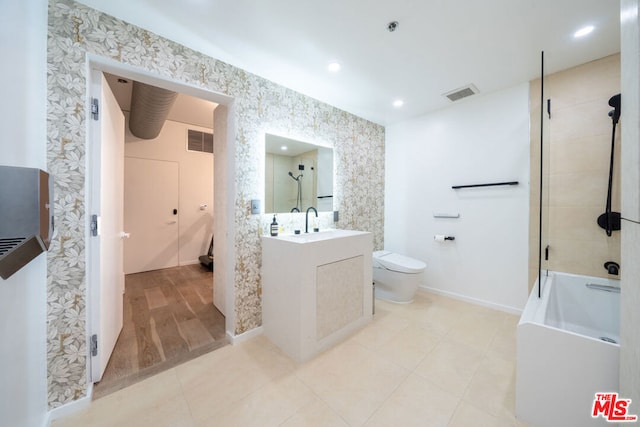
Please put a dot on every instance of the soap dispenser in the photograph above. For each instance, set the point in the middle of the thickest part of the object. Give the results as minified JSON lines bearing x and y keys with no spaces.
{"x":274,"y":226}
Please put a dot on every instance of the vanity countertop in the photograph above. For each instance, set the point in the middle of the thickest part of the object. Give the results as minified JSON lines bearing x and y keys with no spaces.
{"x":330,"y":233}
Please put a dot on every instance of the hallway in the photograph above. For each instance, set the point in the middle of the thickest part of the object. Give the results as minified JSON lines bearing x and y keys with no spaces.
{"x":169,"y":318}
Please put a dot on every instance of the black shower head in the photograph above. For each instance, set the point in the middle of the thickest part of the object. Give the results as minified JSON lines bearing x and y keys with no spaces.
{"x":295,"y":177}
{"x":614,"y":102}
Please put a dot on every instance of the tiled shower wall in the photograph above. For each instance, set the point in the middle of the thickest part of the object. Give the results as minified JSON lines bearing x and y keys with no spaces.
{"x":576,"y":168}
{"x":260,"y":106}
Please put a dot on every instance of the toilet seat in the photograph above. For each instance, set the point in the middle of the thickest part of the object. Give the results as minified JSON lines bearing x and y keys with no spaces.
{"x":396,"y":262}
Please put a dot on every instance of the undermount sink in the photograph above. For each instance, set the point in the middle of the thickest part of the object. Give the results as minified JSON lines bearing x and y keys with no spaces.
{"x":320,"y":235}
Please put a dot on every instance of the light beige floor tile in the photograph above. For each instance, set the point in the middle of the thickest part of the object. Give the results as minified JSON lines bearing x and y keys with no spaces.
{"x":380,"y":331}
{"x":409,"y":347}
{"x":492,"y":388}
{"x":318,"y":414}
{"x":503,"y":345}
{"x":384,"y":308}
{"x":416,"y":402}
{"x":467,"y":415}
{"x":438,"y":320}
{"x":352,"y":380}
{"x":510,"y":321}
{"x":212,"y":384}
{"x":476,"y":330}
{"x":156,"y":401}
{"x":336,"y":361}
{"x":464,"y":377}
{"x":450,"y":366}
{"x":270,"y":405}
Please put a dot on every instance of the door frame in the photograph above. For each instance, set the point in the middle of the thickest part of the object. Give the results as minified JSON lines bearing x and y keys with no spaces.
{"x":224,"y":182}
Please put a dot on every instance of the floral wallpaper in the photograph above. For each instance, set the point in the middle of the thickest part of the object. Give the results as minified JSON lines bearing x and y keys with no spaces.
{"x":260,"y":106}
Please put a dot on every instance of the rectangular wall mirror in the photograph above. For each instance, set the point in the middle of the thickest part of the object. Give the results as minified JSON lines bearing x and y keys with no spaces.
{"x":297,"y":175}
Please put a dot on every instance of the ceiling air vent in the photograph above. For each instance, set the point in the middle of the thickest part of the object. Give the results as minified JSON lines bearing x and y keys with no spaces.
{"x":462,"y":92}
{"x":199,"y":141}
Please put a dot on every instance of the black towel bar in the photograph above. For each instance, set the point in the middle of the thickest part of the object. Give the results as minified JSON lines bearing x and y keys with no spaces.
{"x":492,"y":184}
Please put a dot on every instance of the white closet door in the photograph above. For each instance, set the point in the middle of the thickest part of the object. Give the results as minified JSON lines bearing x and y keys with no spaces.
{"x":151,"y":214}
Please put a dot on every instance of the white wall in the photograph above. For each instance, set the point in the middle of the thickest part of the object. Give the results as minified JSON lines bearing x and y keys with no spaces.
{"x":196,"y":184}
{"x":23,"y":373}
{"x":478,"y":140}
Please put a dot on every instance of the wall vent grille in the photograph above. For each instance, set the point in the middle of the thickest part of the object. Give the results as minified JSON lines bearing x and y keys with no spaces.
{"x":462,"y":92}
{"x":8,"y":244}
{"x":199,"y":141}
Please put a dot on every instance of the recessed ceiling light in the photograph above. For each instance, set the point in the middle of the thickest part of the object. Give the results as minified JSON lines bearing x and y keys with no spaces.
{"x":334,"y":67}
{"x":583,"y":31}
{"x":398,"y":103}
{"x":283,"y":148}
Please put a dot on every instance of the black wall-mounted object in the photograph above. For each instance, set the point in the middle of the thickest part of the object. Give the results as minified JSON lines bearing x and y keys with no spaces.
{"x":612,"y":267}
{"x":609,"y":220}
{"x":491,"y":184}
{"x":26,"y":216}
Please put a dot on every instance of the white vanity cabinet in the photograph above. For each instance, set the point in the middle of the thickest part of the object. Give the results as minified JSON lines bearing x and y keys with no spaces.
{"x":316,"y":289}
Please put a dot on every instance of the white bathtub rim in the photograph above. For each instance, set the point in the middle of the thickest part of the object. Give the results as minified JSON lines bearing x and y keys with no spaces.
{"x":566,"y":331}
{"x":535,"y":311}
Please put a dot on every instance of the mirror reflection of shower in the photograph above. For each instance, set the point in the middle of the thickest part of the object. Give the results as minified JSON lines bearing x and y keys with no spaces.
{"x":299,"y":196}
{"x":280,"y":190}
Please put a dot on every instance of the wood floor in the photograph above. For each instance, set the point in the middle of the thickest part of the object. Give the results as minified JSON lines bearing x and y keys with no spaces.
{"x":169,"y":318}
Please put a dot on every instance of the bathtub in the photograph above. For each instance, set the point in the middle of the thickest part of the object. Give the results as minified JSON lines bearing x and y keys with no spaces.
{"x":567,"y":350}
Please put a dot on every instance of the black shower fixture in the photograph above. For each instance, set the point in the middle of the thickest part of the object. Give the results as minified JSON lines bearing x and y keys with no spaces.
{"x":610,"y":221}
{"x":298,"y":205}
{"x":295,"y":177}
{"x":614,"y":102}
{"x":612,"y":267}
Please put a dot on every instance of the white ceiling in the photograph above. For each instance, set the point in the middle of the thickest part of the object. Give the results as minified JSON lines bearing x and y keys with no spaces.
{"x":439,"y":45}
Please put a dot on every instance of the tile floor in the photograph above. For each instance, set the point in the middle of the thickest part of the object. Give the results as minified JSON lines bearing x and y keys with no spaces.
{"x":436,"y":362}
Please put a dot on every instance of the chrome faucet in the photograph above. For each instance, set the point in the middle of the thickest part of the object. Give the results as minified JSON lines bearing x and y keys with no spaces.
{"x":306,"y":219}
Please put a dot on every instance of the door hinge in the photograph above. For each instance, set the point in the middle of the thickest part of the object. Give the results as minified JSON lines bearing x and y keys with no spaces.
{"x":94,"y":345}
{"x":94,"y":108}
{"x":94,"y":225}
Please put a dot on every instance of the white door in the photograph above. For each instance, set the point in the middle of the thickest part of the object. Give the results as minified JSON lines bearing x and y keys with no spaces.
{"x":106,"y":273}
{"x":151,"y":214}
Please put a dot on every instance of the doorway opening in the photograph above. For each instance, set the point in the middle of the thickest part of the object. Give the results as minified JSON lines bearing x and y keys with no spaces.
{"x":172,"y":308}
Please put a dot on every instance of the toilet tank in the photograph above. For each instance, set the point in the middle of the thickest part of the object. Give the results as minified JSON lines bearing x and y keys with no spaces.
{"x":26,"y":216}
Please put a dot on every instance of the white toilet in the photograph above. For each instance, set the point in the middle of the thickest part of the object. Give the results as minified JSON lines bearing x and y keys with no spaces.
{"x":396,"y":277}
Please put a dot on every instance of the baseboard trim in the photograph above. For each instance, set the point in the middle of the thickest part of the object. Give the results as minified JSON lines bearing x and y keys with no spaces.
{"x":488,"y":304}
{"x":70,"y":408}
{"x":237,"y":339}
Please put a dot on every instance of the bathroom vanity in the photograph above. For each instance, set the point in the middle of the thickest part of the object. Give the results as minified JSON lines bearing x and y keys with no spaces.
{"x":316,"y":289}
